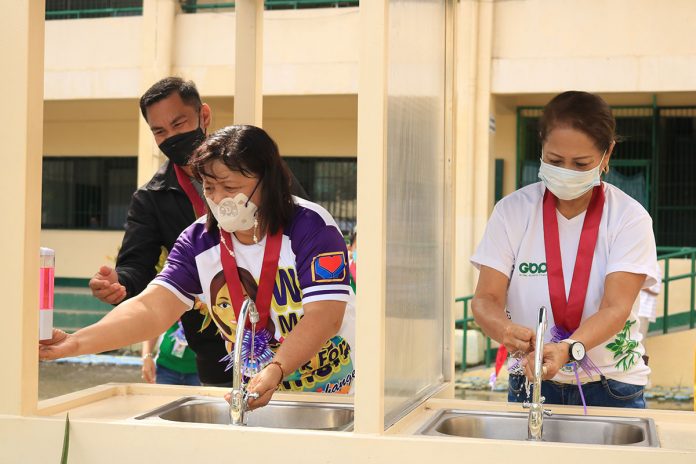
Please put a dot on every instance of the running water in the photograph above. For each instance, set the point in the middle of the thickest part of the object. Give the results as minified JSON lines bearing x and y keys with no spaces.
{"x":515,"y":368}
{"x":527,"y":388}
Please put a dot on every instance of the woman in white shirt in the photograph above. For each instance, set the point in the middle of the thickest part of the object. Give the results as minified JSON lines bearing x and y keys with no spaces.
{"x":579,"y":247}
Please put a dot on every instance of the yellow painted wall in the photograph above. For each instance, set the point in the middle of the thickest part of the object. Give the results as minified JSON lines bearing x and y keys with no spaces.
{"x":608,"y":46}
{"x":93,"y":58}
{"x":306,"y":52}
{"x":309,"y":125}
{"x":672,"y":358}
{"x":91,"y":127}
{"x":79,"y":253}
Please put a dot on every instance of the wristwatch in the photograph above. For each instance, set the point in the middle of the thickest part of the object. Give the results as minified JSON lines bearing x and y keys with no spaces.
{"x":576,"y":352}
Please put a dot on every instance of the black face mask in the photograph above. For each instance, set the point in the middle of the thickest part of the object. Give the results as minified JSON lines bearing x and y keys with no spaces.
{"x":179,"y":148}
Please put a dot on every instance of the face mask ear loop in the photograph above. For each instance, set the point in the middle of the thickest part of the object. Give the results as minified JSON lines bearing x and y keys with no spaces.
{"x":252,"y":193}
{"x":606,"y":169}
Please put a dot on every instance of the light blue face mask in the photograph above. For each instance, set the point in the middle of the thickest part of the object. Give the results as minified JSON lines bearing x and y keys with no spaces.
{"x":568,"y":184}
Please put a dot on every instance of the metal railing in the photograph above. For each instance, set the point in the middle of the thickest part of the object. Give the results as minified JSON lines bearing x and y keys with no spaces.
{"x":667,"y":254}
{"x":94,"y":13}
{"x":664,"y":323}
{"x":272,"y":5}
{"x":100,"y":9}
{"x":464,"y":324}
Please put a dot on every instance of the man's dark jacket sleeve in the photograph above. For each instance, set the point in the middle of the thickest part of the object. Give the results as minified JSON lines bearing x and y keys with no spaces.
{"x":141,"y":247}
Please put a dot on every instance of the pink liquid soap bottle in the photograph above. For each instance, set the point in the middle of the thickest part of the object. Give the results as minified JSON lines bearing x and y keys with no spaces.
{"x":46,"y":277}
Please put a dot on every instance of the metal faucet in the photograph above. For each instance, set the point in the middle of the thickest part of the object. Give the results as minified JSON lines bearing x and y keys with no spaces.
{"x":536,"y":407}
{"x":239,"y":395}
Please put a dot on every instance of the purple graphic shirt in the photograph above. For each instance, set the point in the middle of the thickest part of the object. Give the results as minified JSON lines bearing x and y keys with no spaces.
{"x":312,"y":267}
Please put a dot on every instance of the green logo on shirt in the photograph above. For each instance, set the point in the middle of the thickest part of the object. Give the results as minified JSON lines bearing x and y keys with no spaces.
{"x":532,"y":269}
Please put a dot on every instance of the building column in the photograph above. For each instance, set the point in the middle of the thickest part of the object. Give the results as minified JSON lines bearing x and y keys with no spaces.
{"x":21,"y":130}
{"x":157,"y":49}
{"x":248,"y":63}
{"x":372,"y":216}
{"x":474,"y":165}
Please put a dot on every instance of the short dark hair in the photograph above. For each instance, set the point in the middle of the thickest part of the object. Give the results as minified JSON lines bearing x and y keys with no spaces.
{"x":250,"y":151}
{"x":582,"y":111}
{"x":165,"y":87}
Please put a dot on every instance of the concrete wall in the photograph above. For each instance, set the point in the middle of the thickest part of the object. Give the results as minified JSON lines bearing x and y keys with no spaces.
{"x":601,"y":45}
{"x":672,"y":358}
{"x":306,"y":52}
{"x":79,"y":253}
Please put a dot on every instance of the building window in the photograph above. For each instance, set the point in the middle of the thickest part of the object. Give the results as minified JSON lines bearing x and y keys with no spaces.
{"x":331,"y":183}
{"x":87,"y":192}
{"x":78,"y":9}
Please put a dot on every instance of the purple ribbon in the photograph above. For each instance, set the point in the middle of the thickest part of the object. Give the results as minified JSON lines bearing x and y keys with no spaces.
{"x":262,"y":353}
{"x":586,"y":364}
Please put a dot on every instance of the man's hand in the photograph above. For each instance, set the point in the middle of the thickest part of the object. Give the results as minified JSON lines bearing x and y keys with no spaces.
{"x":148,"y":371}
{"x":105,"y":286}
{"x":61,"y":345}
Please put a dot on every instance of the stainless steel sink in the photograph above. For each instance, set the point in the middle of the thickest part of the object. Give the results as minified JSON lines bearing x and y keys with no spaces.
{"x":278,"y":414}
{"x":598,"y":430}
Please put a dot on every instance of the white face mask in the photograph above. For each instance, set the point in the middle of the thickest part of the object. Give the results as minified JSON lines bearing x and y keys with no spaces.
{"x":568,"y":184}
{"x":234,"y":213}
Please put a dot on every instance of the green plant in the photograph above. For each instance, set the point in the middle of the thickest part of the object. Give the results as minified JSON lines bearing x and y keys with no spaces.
{"x":66,"y":440}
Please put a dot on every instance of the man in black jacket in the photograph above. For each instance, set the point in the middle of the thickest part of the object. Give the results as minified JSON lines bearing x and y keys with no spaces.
{"x":161,"y":209}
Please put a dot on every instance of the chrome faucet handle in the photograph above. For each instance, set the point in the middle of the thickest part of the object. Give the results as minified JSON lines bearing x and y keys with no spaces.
{"x":254,"y":316}
{"x":537,"y":412}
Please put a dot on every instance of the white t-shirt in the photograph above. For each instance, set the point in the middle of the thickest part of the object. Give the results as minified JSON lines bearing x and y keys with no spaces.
{"x":514,"y":245}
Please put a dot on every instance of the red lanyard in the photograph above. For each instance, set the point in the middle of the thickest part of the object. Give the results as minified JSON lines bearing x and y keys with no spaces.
{"x":567,"y":313}
{"x":190,"y":191}
{"x":271,"y":254}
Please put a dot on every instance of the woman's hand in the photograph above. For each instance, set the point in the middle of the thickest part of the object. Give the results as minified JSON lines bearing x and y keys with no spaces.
{"x":555,"y":356}
{"x":60,"y":345}
{"x":264,"y":384}
{"x":518,"y":340}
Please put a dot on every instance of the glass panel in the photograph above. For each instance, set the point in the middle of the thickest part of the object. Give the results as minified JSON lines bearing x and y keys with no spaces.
{"x":415,"y":203}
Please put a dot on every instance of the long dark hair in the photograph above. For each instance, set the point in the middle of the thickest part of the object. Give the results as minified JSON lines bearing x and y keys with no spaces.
{"x":250,"y":151}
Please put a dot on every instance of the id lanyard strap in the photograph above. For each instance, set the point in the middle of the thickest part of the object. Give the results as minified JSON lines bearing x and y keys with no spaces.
{"x":568,"y":313}
{"x":190,"y":191}
{"x":271,"y":254}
